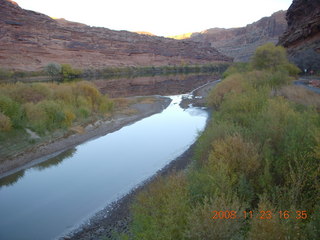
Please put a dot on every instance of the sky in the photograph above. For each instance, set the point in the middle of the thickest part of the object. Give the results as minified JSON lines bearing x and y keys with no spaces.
{"x":160,"y":17}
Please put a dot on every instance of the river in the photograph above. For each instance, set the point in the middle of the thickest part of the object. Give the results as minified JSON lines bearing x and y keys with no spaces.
{"x":56,"y":196}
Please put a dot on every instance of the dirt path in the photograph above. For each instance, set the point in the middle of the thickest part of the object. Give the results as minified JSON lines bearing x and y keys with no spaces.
{"x":304,"y":82}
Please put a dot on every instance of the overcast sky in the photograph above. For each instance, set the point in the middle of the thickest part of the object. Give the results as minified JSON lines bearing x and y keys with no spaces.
{"x":161,"y":17}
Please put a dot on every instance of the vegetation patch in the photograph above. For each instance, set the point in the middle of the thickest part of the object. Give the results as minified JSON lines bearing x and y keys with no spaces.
{"x":256,"y":169}
{"x":47,"y":107}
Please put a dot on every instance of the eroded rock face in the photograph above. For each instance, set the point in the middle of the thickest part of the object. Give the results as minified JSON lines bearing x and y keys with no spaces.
{"x":30,"y":40}
{"x":241,"y":43}
{"x":302,"y":38}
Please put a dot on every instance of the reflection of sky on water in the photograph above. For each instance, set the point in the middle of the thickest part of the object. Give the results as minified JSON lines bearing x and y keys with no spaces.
{"x":53,"y":196}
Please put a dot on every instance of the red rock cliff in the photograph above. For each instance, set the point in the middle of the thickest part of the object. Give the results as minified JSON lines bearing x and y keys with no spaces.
{"x":30,"y":40}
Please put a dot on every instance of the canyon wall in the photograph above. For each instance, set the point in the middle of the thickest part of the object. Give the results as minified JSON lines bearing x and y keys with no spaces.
{"x":30,"y":40}
{"x":241,"y":43}
{"x":302,"y":38}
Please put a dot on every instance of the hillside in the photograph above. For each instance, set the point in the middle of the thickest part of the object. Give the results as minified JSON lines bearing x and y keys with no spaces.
{"x":240,"y":43}
{"x":30,"y":40}
{"x":302,"y":38}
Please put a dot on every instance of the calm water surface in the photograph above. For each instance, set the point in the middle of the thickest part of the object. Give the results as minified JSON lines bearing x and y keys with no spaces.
{"x":54,"y":197}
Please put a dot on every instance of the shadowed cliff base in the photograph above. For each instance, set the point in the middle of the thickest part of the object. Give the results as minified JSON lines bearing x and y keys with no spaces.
{"x":302,"y":38}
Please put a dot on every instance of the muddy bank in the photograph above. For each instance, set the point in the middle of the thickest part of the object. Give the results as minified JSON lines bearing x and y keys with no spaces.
{"x":116,"y":217}
{"x":46,"y":150}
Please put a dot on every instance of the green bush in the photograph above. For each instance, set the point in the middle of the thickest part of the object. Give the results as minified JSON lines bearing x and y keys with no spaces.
{"x":12,"y":110}
{"x":5,"y":123}
{"x":273,"y":58}
{"x":45,"y":107}
{"x":259,"y":153}
{"x":68,"y":71}
{"x":201,"y":224}
{"x":161,"y":211}
{"x":215,"y":130}
{"x":238,"y":67}
{"x":266,"y":228}
{"x":269,"y":57}
{"x":234,"y":84}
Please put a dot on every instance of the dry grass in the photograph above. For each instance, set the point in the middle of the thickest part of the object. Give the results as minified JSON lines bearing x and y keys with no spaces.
{"x":300,"y":95}
{"x":121,"y":102}
{"x":129,"y":111}
{"x":146,"y":100}
{"x":77,"y":129}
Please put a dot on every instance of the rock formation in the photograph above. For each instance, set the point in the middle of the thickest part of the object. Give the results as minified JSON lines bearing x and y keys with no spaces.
{"x":30,"y":40}
{"x":302,"y":38}
{"x":240,"y":43}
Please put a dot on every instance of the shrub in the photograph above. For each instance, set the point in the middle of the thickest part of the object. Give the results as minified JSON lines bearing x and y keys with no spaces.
{"x":49,"y":106}
{"x":89,"y":92}
{"x":68,"y":71}
{"x":273,"y":58}
{"x":64,"y":93}
{"x":238,"y":67}
{"x":201,"y":224}
{"x":269,"y":57}
{"x":161,"y":211}
{"x":53,"y":69}
{"x":23,"y":93}
{"x":12,"y":110}
{"x":210,"y":182}
{"x":215,"y":130}
{"x":266,"y":228}
{"x":232,"y":84}
{"x":240,"y":156}
{"x":105,"y":105}
{"x":5,"y":123}
{"x":36,"y":117}
{"x":243,"y":109}
{"x":69,"y":117}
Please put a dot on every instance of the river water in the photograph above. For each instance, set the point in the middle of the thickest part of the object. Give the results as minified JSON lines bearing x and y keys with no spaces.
{"x":55,"y":196}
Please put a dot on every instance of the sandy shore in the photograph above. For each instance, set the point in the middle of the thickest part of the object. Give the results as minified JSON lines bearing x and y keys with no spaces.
{"x":41,"y":152}
{"x":116,"y":217}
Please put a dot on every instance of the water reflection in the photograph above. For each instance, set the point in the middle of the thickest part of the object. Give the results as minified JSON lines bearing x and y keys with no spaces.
{"x":11,"y":179}
{"x":55,"y":161}
{"x":157,"y":85}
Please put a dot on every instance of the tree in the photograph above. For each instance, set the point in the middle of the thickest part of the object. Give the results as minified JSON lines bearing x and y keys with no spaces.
{"x":269,"y":57}
{"x":53,"y":69}
{"x":273,"y":58}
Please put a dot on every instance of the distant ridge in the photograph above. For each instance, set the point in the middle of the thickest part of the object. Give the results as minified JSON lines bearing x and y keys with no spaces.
{"x":240,"y":43}
{"x":30,"y":40}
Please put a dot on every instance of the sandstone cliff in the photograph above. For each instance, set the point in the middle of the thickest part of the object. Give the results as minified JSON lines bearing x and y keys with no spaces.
{"x":302,"y":38}
{"x":30,"y":40}
{"x":240,"y":43}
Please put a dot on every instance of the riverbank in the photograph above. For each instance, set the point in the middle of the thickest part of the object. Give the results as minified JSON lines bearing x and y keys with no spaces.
{"x":116,"y":217}
{"x":143,"y":108}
